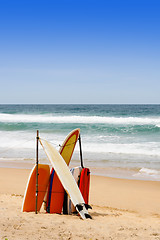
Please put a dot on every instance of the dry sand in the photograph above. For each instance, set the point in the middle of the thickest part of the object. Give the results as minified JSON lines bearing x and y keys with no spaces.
{"x":122,"y":209}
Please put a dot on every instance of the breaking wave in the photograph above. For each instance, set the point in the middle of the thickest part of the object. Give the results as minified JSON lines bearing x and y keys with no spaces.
{"x":18,"y":118}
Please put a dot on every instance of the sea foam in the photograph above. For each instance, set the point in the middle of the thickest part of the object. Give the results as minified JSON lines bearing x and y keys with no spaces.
{"x":49,"y":118}
{"x":146,"y":173}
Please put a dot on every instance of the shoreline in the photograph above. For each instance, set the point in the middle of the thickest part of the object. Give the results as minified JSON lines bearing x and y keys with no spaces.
{"x":111,"y":172}
{"x":134,"y":195}
{"x":121,"y":209}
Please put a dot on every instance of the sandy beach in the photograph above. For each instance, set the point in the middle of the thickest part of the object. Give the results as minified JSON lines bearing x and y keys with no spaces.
{"x":122,"y":209}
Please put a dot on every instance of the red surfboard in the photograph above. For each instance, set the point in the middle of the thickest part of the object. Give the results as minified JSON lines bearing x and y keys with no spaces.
{"x":56,"y":191}
{"x":84,"y":184}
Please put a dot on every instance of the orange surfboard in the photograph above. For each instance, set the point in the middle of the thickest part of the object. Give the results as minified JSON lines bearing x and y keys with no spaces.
{"x":55,"y":196}
{"x":29,"y":200}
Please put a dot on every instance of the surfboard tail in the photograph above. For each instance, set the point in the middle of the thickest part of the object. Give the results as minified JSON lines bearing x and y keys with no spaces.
{"x":83,"y":211}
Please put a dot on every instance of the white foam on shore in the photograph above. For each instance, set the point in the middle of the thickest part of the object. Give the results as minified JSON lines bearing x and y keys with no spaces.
{"x":146,"y":173}
{"x":20,"y":140}
{"x":149,"y":148}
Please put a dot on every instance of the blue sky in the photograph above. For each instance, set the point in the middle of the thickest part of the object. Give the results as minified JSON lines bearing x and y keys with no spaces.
{"x":81,"y":51}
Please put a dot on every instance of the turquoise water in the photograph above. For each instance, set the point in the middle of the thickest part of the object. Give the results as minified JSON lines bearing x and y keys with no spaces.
{"x":124,"y":140}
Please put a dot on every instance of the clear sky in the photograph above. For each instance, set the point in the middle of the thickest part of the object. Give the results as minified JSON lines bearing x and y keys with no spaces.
{"x":79,"y":51}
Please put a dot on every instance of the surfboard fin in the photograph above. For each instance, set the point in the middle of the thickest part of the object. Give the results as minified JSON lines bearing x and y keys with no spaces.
{"x":87,"y":215}
{"x":87,"y":206}
{"x":79,"y":207}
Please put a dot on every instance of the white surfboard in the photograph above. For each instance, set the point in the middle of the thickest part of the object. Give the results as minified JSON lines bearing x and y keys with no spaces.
{"x":66,"y":178}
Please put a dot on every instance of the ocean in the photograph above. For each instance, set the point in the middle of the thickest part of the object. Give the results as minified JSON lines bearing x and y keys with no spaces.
{"x":117,"y":140}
